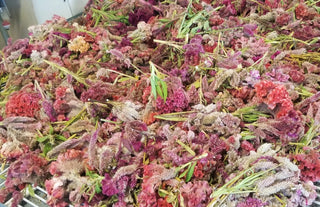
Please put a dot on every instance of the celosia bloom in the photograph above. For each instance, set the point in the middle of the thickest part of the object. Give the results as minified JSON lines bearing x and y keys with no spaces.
{"x":29,"y":168}
{"x":109,"y":187}
{"x":309,"y":164}
{"x":249,"y":29}
{"x":23,"y":104}
{"x":274,"y":95}
{"x":174,"y":103}
{"x":196,"y":193}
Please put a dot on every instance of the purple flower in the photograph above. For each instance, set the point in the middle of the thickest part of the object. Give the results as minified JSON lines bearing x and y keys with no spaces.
{"x":109,"y":188}
{"x":291,"y":127}
{"x":182,"y":73}
{"x":193,"y":50}
{"x":255,"y":74}
{"x":100,"y":91}
{"x":125,"y":42}
{"x":140,"y":14}
{"x":275,"y":55}
{"x":252,"y":202}
{"x":249,"y":29}
{"x":174,"y":103}
{"x":49,"y":110}
{"x":277,"y":75}
{"x":256,"y":58}
{"x":231,"y":62}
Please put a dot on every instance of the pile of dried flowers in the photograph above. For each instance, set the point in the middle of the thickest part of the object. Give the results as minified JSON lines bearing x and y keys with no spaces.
{"x":166,"y":103}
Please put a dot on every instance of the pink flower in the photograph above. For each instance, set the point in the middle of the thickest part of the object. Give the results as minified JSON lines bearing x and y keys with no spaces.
{"x":309,"y":164}
{"x":196,"y":193}
{"x":252,"y":202}
{"x":109,"y":188}
{"x":193,"y":50}
{"x":249,"y":29}
{"x":247,"y":146}
{"x":174,"y":103}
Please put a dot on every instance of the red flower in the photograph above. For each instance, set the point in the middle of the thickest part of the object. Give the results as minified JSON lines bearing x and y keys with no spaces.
{"x":309,"y":164}
{"x":61,"y":106}
{"x":198,"y":170}
{"x":274,"y":95}
{"x":216,"y":20}
{"x":247,"y":146}
{"x":301,"y":11}
{"x":163,"y":203}
{"x":23,"y":104}
{"x":60,"y":92}
{"x":297,"y":76}
{"x":283,"y":19}
{"x":210,"y":48}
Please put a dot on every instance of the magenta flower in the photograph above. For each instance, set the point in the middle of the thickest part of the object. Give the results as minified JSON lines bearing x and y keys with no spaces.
{"x":193,"y":50}
{"x":249,"y":29}
{"x":252,"y":202}
{"x":174,"y":103}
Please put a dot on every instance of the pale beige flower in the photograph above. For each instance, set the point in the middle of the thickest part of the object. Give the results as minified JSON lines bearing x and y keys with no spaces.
{"x":79,"y":44}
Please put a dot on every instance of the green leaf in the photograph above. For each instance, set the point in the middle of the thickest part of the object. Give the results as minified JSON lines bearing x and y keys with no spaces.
{"x":42,"y":139}
{"x":165,"y":90}
{"x":47,"y":148}
{"x":30,"y":190}
{"x":158,"y":86}
{"x":61,"y":138}
{"x":153,"y":89}
{"x":186,"y":171}
{"x":190,"y":172}
{"x":206,"y":26}
{"x":51,"y":130}
{"x":186,"y":147}
{"x":248,"y":137}
{"x":98,"y":188}
{"x":91,"y":196}
{"x":159,"y":91}
{"x":162,"y":193}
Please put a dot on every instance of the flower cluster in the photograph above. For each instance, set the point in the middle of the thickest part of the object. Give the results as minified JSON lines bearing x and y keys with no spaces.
{"x":254,"y":202}
{"x":174,"y":103}
{"x":193,"y":50}
{"x":79,"y":44}
{"x":274,"y":95}
{"x":309,"y":165}
{"x":196,"y":193}
{"x":30,"y":168}
{"x":23,"y":103}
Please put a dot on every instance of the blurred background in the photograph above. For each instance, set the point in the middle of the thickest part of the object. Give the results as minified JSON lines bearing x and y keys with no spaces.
{"x":24,"y":13}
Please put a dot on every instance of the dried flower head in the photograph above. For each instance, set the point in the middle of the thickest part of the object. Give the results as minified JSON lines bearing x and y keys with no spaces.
{"x":78,"y":44}
{"x":23,"y":103}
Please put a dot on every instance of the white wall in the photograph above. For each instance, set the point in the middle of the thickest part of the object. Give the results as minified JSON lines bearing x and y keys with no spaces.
{"x":45,"y":9}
